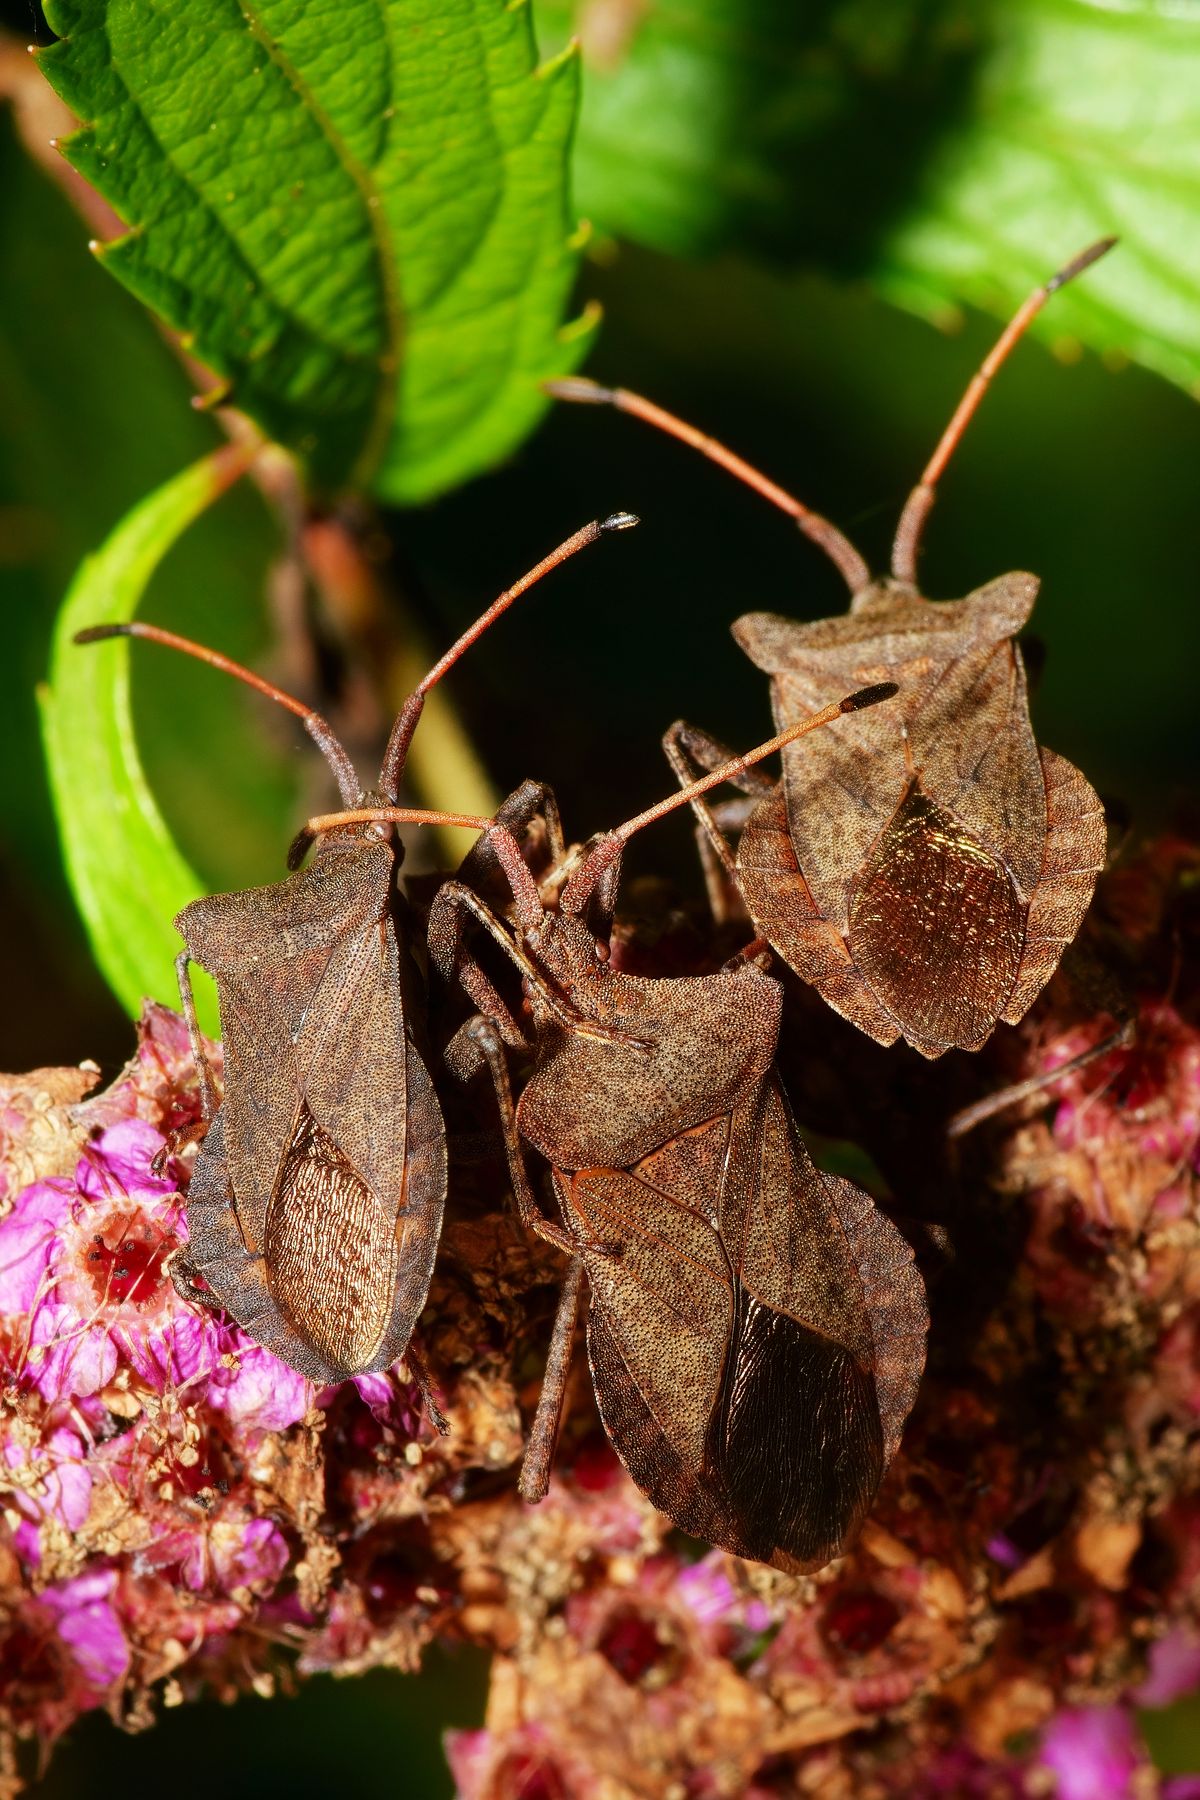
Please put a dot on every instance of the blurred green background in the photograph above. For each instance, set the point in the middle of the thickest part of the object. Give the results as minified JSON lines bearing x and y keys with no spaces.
{"x":1084,"y":473}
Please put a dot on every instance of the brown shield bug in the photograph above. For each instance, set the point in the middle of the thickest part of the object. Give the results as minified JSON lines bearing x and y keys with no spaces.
{"x":756,"y":1330}
{"x":315,"y":1205}
{"x":925,"y":867}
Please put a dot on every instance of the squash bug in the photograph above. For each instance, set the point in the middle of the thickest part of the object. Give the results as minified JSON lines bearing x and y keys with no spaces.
{"x":756,"y":1330}
{"x":315,"y":1205}
{"x":925,"y":868}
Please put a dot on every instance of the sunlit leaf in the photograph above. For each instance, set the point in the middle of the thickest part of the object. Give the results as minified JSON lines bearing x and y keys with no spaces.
{"x":128,"y":877}
{"x":1082,"y":124}
{"x":953,"y":153}
{"x":356,"y":215}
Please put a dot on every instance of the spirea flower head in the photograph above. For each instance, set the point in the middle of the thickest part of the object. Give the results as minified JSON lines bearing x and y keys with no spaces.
{"x":182,"y":1511}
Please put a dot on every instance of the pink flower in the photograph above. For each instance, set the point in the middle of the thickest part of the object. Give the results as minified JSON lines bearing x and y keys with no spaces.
{"x":1146,"y":1094}
{"x":706,"y":1590}
{"x":708,"y":1594}
{"x":26,"y":1239}
{"x":86,"y":1623}
{"x":50,"y":1480}
{"x":85,"y":1263}
{"x":1094,"y":1752}
{"x":261,"y":1394}
{"x":1173,"y":1671}
{"x":235,"y":1554}
{"x":392,"y":1403}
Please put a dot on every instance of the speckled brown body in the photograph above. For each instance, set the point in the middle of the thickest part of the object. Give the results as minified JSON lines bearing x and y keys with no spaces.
{"x":316,"y":1202}
{"x":756,"y":1330}
{"x":925,"y":865}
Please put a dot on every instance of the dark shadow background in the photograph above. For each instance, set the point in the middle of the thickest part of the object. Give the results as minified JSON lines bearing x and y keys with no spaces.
{"x":1081,"y":474}
{"x":370,"y":1737}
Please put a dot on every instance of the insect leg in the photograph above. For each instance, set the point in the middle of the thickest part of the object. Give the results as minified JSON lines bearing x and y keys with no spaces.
{"x":187,"y":1000}
{"x":485,"y":1038}
{"x":530,"y":801}
{"x":543,"y":1435}
{"x":690,"y":750}
{"x":445,"y":939}
{"x":539,"y":1452}
{"x":420,"y":1374}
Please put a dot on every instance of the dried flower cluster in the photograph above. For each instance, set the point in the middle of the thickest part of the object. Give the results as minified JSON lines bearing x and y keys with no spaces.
{"x":183,"y":1514}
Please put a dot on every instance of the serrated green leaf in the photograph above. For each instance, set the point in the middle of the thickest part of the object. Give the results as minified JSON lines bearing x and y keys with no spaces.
{"x":1083,"y":123}
{"x":355,"y":214}
{"x":953,"y":153}
{"x":128,"y":877}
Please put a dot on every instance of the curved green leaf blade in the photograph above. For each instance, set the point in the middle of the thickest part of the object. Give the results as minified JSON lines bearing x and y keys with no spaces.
{"x":128,"y":878}
{"x":357,"y":215}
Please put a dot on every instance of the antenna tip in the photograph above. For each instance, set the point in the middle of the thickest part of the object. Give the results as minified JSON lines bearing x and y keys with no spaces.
{"x":94,"y":634}
{"x":619,"y":522}
{"x":578,"y":387}
{"x":870,"y":696}
{"x":1079,"y":263}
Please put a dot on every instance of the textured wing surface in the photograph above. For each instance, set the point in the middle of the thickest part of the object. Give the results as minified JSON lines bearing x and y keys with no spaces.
{"x":795,"y":1255}
{"x":973,"y":748}
{"x":325,"y":1331}
{"x":783,"y":909}
{"x":270,"y":950}
{"x":660,"y":1320}
{"x":796,"y":1446}
{"x":744,"y":1407}
{"x":896,"y":1306}
{"x":797,"y":1440}
{"x":330,"y":1249}
{"x":666,"y":1297}
{"x":418,"y":1226}
{"x":842,"y":783}
{"x":331,"y":1233}
{"x":235,"y":1277}
{"x":936,"y":927}
{"x":351,"y":1061}
{"x":1076,"y":843}
{"x":316,"y":1111}
{"x":960,"y":721}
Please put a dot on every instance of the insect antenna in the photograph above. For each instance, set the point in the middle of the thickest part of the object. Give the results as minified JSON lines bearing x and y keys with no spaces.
{"x":607,"y":850}
{"x":920,"y":502}
{"x":406,"y":719}
{"x":405,"y":725}
{"x":318,"y":728}
{"x":821,"y":531}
